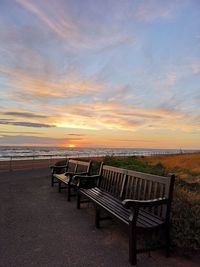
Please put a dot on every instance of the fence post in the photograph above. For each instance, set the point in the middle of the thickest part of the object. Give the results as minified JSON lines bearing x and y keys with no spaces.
{"x":10,"y":163}
{"x":33,"y":163}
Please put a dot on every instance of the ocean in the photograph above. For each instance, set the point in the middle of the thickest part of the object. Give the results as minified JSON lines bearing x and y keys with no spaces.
{"x":22,"y":152}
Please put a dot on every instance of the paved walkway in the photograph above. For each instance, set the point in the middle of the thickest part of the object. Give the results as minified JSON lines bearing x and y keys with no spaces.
{"x":38,"y":227}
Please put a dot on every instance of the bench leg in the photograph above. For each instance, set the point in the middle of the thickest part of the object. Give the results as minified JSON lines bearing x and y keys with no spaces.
{"x":59,"y":186}
{"x":97,"y":218}
{"x":167,"y":240}
{"x":78,"y":200}
{"x":69,"y":192}
{"x":52,"y":180}
{"x":132,"y":244}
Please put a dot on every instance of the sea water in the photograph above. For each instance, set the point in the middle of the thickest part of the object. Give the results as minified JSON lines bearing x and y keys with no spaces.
{"x":26,"y":152}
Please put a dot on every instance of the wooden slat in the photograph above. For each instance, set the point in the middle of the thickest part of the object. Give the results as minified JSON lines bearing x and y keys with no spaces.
{"x":115,"y":207}
{"x":139,"y":189}
{"x":163,"y":207}
{"x":117,"y":183}
{"x":62,"y":177}
{"x":148,"y":176}
{"x":144,"y":197}
{"x":102,"y":200}
{"x":135,"y":188}
{"x":149,"y":189}
{"x":123,"y":184}
{"x":113,"y":180}
{"x":103,"y":195}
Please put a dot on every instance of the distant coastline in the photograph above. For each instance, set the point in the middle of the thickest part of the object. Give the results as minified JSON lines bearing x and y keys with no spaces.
{"x":29,"y":152}
{"x":17,"y":158}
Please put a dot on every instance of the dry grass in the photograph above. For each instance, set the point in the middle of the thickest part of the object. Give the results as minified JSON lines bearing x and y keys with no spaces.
{"x":187,"y":166}
{"x":184,"y":161}
{"x":186,"y":205}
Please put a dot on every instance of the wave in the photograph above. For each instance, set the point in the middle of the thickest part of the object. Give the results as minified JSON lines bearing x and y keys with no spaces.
{"x":44,"y":152}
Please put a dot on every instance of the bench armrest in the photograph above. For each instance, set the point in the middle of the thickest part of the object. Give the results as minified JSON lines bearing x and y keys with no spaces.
{"x":55,"y":168}
{"x":128,"y":203}
{"x":84,"y":181}
{"x":72,"y":173}
{"x":58,"y":167}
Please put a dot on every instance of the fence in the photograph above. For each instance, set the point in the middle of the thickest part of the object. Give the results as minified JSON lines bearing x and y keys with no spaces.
{"x":31,"y":163}
{"x":11,"y":163}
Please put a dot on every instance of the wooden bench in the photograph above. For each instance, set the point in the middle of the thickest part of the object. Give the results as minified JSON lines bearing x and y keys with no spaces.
{"x":58,"y":169}
{"x":72,"y":167}
{"x":139,"y":200}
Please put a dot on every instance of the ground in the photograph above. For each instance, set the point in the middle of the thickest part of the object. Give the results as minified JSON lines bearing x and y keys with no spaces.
{"x":38,"y":227}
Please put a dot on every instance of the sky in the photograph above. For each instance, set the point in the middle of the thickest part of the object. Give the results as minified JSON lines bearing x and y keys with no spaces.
{"x":100,"y":73}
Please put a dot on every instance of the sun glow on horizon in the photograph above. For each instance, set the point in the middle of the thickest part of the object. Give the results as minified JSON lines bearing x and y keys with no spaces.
{"x":71,"y":145}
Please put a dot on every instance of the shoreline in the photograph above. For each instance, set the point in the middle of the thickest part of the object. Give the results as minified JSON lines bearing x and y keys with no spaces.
{"x":11,"y":165}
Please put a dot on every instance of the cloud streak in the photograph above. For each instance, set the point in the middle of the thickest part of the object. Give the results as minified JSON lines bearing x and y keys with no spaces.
{"x":41,"y":88}
{"x":75,"y":33}
{"x":152,"y":10}
{"x":26,"y":124}
{"x":115,"y":116}
{"x":30,"y":140}
{"x":18,"y":132}
{"x":25,"y":115}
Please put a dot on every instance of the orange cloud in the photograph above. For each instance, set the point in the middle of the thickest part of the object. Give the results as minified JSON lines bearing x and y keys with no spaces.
{"x":98,"y":116}
{"x":41,"y":86}
{"x":93,"y":115}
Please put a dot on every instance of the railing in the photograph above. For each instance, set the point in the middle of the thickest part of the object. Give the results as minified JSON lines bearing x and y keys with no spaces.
{"x":10,"y":163}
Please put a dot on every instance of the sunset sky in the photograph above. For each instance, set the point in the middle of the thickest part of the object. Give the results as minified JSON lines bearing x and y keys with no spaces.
{"x":100,"y":73}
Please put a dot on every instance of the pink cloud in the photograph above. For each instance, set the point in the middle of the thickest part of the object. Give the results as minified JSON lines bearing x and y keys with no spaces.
{"x":156,"y":9}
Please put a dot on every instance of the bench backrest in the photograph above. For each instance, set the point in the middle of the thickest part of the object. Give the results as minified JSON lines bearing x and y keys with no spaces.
{"x":128,"y":184}
{"x":77,"y":166}
{"x":143,"y":186}
{"x":112,"y":180}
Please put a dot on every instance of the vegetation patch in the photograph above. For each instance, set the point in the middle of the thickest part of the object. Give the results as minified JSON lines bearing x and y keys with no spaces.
{"x":135,"y":163}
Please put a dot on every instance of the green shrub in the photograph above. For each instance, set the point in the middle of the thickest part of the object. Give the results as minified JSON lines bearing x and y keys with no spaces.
{"x":186,"y":219}
{"x":95,"y":167}
{"x":60,"y":163}
{"x":135,"y":163}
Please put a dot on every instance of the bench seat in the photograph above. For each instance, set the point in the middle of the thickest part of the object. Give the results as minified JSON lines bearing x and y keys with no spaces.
{"x":62,"y":177}
{"x":115,"y":207}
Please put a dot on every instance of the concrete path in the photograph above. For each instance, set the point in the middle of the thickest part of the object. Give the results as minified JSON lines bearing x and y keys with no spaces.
{"x":38,"y":227}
